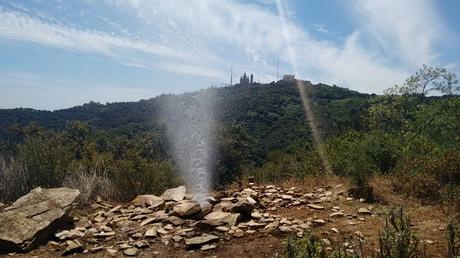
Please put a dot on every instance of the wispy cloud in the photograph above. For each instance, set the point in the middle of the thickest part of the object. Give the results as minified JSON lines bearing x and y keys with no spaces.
{"x":19,"y":26}
{"x":408,"y":30}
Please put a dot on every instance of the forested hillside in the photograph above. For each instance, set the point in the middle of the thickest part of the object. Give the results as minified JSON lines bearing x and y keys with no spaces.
{"x":270,"y":113}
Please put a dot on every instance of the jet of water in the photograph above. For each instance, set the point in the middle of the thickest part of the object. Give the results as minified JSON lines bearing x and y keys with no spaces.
{"x":190,"y":125}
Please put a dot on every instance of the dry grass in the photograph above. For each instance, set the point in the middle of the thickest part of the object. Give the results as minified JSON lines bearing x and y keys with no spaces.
{"x":13,"y":180}
{"x":309,"y":183}
{"x":91,"y":184}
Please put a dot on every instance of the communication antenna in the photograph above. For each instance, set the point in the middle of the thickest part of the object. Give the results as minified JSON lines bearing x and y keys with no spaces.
{"x":277,"y":68}
{"x":231,"y":75}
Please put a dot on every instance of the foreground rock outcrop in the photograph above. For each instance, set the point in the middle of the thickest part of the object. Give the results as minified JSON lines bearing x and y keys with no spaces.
{"x":178,"y":219}
{"x":181,"y":220}
{"x":32,"y":218}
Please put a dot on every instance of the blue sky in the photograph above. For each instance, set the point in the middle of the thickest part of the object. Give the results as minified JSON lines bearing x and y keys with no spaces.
{"x":57,"y":54}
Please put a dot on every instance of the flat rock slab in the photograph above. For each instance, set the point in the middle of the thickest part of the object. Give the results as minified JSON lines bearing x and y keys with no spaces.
{"x":223,"y":217}
{"x":315,"y":207}
{"x":34,"y":217}
{"x":201,"y":240}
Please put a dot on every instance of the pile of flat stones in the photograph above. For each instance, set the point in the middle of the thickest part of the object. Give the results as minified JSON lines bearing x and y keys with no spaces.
{"x":182,"y":220}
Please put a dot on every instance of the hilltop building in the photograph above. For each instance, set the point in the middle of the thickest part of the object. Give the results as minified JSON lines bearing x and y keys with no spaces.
{"x":247,"y":80}
{"x":288,"y":77}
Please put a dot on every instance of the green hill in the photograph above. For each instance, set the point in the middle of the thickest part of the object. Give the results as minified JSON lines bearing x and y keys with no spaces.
{"x":270,"y":113}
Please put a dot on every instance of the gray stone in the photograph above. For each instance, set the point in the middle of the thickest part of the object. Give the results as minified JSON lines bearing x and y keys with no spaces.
{"x":238,"y":233}
{"x":105,"y":234}
{"x":141,"y":244}
{"x":69,"y":234}
{"x":34,"y":217}
{"x":186,"y":208}
{"x":207,"y":247}
{"x":364,"y":211}
{"x":151,"y":232}
{"x":177,"y":238}
{"x":131,"y":251}
{"x":176,"y":221}
{"x":318,"y":222}
{"x":174,"y":194}
{"x":147,"y":221}
{"x":315,"y":207}
{"x":111,"y":251}
{"x":223,"y":206}
{"x":244,"y":205}
{"x":256,"y":215}
{"x":228,"y":218}
{"x":206,"y":208}
{"x":254,"y":225}
{"x":148,"y":200}
{"x":73,"y":246}
{"x":201,"y":240}
{"x":285,"y":229}
{"x":336,"y":214}
{"x":222,"y":229}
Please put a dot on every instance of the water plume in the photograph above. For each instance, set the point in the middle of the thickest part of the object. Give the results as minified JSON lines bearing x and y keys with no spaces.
{"x":190,"y":126}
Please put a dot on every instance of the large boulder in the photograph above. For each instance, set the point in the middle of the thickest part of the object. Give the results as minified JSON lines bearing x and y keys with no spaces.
{"x":34,"y":217}
{"x":174,"y":194}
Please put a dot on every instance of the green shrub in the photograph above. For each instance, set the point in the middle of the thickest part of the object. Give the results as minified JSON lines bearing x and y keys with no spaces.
{"x":295,"y":164}
{"x":310,"y":246}
{"x":349,"y":156}
{"x":453,"y":242}
{"x":398,"y":240}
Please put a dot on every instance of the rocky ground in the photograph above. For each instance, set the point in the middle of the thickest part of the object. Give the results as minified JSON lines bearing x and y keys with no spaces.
{"x":247,"y":223}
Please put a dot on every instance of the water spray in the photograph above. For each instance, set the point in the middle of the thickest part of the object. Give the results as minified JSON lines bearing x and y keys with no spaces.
{"x":190,"y":126}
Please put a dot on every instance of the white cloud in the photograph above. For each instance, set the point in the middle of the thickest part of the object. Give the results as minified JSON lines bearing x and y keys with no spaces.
{"x":408,"y":30}
{"x":18,"y":26}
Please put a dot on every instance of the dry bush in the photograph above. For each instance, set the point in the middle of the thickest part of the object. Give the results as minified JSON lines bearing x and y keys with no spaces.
{"x":91,"y":183}
{"x":419,"y":185}
{"x":13,"y":180}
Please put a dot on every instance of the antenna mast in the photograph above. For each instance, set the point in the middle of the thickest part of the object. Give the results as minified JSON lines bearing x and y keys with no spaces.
{"x":277,"y":68}
{"x":231,"y":75}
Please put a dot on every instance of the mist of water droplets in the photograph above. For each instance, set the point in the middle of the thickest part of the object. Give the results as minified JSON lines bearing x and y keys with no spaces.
{"x":190,"y":125}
